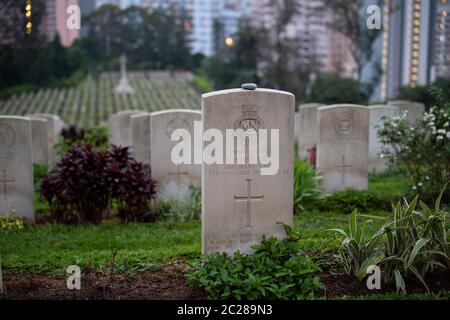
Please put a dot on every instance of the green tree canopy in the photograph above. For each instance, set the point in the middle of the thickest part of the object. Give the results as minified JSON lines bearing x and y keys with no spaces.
{"x":332,"y":89}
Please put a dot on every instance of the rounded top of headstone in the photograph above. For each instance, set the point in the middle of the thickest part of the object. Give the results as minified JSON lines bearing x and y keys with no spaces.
{"x":14,"y":118}
{"x":249,"y":86}
{"x":402,"y":103}
{"x":311,"y":105}
{"x":343,"y":106}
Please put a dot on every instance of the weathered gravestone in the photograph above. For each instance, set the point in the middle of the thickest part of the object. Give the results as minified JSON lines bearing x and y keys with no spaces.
{"x":119,"y":128}
{"x":240,"y":205}
{"x":16,"y":170}
{"x":377,"y":114}
{"x":173,"y":180}
{"x":415,"y":109}
{"x":54,"y":128}
{"x":343,"y":147}
{"x":140,"y":132}
{"x":307,"y":134}
{"x":39,"y":140}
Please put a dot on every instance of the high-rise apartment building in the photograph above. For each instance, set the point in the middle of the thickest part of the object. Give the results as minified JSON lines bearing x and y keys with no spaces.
{"x":55,"y":21}
{"x":415,"y":47}
{"x":318,"y":43}
{"x":212,"y":21}
{"x":121,"y":3}
{"x":441,"y":41}
{"x":86,"y":6}
{"x":208,"y":15}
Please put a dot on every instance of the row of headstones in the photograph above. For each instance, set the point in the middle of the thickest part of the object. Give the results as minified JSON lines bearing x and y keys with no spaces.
{"x":348,"y":147}
{"x":239,"y":204}
{"x":149,"y":137}
{"x":343,"y":140}
{"x":24,"y":141}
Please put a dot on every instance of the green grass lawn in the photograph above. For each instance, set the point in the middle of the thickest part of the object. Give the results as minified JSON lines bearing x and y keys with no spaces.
{"x":50,"y":249}
{"x":391,"y":183}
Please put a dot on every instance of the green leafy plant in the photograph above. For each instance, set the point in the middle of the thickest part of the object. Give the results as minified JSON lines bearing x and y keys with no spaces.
{"x":276,"y":270}
{"x":357,"y":253}
{"x":11,"y":221}
{"x":305,"y":184}
{"x":410,"y":245}
{"x":96,"y":137}
{"x":349,"y":200}
{"x":333,"y":89}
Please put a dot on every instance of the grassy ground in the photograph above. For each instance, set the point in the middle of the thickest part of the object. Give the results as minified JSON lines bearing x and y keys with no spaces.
{"x":50,"y":249}
{"x":391,"y":183}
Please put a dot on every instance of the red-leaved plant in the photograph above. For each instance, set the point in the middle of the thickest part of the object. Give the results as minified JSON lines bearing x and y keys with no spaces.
{"x":85,"y":183}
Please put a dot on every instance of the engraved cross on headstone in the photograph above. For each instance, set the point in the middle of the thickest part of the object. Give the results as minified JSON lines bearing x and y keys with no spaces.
{"x":248,"y":199}
{"x":4,"y":181}
{"x":343,"y":166}
{"x":178,"y":174}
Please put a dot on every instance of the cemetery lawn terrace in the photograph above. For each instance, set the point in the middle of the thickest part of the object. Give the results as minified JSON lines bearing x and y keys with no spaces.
{"x":145,"y":248}
{"x":142,"y":245}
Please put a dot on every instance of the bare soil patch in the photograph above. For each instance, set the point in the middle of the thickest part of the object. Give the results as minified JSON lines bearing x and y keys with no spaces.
{"x":169,"y":283}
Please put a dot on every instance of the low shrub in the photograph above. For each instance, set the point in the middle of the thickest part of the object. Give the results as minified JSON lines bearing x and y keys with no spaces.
{"x":11,"y":221}
{"x":305,"y":184}
{"x":276,"y":270}
{"x":349,"y":200}
{"x":423,"y":148}
{"x":74,"y":189}
{"x":96,"y":137}
{"x":85,"y":183}
{"x":411,"y":244}
{"x":130,"y":185}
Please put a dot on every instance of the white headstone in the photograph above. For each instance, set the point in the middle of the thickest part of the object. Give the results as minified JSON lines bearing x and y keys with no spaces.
{"x":173,"y":181}
{"x":119,"y":128}
{"x":343,"y":147}
{"x":415,"y":109}
{"x":55,"y":126}
{"x":377,"y":115}
{"x":16,"y":169}
{"x":239,"y":204}
{"x":307,"y":134}
{"x":39,"y":137}
{"x":140,"y":127}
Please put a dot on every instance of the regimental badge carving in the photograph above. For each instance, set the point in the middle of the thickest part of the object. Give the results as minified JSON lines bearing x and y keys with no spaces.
{"x":344,"y":123}
{"x":7,"y":136}
{"x":177,"y":123}
{"x":249,"y":119}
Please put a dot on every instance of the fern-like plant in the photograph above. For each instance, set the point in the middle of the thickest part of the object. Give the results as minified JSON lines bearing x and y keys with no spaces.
{"x":305,"y":184}
{"x":410,"y":245}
